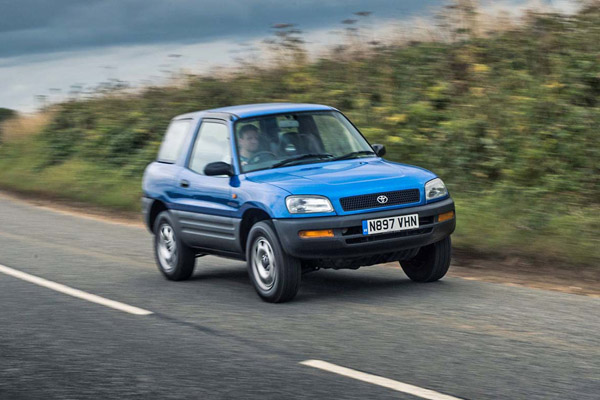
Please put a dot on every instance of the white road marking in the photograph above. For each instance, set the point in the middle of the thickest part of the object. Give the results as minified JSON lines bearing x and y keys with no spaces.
{"x":378,"y":380}
{"x":80,"y":294}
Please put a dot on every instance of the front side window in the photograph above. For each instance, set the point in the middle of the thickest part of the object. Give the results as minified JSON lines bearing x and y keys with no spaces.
{"x":173,"y":141}
{"x":212,"y":144}
{"x":274,"y":141}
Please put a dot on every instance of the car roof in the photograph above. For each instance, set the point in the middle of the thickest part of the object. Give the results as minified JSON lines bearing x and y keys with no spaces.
{"x":255,"y":110}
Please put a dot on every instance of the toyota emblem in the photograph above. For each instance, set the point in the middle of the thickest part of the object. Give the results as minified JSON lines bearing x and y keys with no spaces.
{"x":382,"y":199}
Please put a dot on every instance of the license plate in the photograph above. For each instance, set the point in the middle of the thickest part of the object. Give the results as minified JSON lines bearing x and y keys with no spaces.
{"x":390,"y":224}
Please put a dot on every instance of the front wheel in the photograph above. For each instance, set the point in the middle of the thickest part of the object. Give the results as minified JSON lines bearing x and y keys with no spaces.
{"x":431,"y":262}
{"x":274,"y":273}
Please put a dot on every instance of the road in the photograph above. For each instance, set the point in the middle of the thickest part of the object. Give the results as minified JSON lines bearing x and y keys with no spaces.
{"x":212,"y":337}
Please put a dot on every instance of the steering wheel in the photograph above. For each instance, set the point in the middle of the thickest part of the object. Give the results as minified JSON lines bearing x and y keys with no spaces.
{"x":262,"y":156}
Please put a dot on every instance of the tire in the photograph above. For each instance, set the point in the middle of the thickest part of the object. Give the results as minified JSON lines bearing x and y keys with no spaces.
{"x":274,"y":273}
{"x":431,"y":262}
{"x":173,"y":257}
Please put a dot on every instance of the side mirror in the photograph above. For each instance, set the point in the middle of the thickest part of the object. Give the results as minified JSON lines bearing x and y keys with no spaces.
{"x":379,"y":149}
{"x":218,"y":168}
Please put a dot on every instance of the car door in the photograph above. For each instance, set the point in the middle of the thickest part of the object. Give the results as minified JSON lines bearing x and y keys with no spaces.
{"x":205,"y":207}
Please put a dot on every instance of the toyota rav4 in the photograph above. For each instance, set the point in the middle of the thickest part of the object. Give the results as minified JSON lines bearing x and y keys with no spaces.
{"x":290,"y":188}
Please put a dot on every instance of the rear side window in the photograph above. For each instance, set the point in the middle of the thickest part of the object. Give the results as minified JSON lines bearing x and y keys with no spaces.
{"x":212,"y":144}
{"x":173,"y":141}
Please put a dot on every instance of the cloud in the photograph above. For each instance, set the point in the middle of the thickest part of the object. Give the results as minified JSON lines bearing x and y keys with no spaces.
{"x":35,"y":27}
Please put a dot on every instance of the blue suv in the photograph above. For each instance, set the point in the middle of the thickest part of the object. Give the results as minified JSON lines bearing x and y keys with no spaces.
{"x":290,"y":188}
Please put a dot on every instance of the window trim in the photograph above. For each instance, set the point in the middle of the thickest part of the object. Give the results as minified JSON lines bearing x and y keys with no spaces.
{"x":188,"y":159}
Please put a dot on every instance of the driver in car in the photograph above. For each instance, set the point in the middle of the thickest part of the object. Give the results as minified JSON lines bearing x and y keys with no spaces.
{"x":248,"y":142}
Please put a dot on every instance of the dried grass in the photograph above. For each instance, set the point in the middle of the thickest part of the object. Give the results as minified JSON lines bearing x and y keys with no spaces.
{"x":24,"y":125}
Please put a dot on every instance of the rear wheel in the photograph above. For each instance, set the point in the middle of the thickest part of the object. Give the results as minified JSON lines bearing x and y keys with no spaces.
{"x":274,"y":273}
{"x":173,"y":257}
{"x":431,"y":262}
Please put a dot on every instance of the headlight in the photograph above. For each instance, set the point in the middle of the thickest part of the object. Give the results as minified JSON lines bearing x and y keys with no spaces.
{"x":434,"y":189}
{"x":308,"y":204}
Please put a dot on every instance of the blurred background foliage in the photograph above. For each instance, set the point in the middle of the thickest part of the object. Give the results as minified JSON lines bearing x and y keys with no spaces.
{"x":508,"y":117}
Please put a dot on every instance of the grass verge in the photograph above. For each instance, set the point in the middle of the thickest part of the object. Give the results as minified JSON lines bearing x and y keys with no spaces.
{"x":493,"y":223}
{"x":74,"y":179}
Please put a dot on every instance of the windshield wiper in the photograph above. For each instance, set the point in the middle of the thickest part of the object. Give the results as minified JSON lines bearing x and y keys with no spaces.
{"x":353,"y":155}
{"x":301,"y":157}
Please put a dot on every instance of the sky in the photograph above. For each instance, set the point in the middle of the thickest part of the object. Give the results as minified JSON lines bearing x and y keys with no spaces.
{"x":52,"y":47}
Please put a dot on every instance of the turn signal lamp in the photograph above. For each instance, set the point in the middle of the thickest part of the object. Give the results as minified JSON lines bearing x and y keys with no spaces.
{"x":316,"y":234}
{"x":446,"y":216}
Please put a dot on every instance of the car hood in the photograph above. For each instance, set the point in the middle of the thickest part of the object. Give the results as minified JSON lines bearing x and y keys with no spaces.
{"x":340,"y":179}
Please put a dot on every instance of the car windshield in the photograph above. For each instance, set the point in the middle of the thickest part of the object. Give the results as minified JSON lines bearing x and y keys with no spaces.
{"x":274,"y":141}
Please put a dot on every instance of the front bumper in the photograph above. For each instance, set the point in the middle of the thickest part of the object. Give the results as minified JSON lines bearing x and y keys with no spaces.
{"x":146,"y":206}
{"x":348,"y":240}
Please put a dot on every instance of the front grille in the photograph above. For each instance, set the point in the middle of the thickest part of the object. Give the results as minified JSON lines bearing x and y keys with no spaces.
{"x":370,"y":200}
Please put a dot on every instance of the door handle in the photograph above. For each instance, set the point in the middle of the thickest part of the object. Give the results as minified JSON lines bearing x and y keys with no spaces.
{"x":184,"y":183}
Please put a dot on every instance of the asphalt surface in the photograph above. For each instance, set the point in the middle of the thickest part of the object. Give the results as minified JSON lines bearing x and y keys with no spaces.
{"x":212,"y":337}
